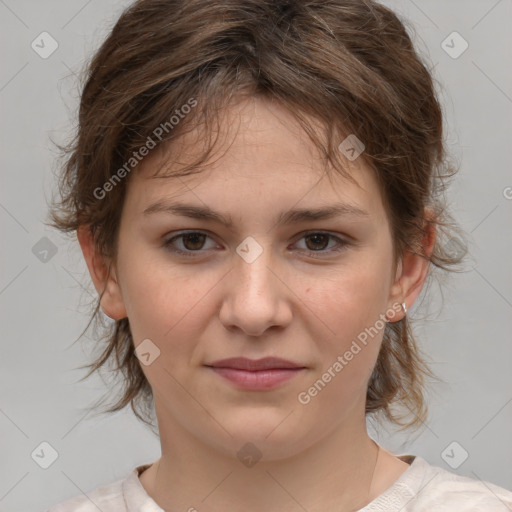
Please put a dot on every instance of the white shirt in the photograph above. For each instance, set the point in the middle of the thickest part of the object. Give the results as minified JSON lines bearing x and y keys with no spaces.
{"x":421,"y":488}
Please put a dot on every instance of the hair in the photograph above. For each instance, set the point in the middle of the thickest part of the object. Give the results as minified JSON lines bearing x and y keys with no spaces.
{"x":348,"y":66}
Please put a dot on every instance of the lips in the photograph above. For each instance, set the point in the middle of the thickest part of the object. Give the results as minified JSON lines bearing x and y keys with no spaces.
{"x":256,"y":374}
{"x":254,"y":365}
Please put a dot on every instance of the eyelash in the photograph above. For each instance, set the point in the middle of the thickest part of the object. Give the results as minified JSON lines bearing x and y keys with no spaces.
{"x":190,"y":254}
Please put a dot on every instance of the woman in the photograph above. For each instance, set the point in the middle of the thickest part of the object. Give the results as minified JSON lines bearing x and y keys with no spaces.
{"x":256,"y":187}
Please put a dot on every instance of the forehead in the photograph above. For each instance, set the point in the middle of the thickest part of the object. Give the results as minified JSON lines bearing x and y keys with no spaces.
{"x":260,"y":153}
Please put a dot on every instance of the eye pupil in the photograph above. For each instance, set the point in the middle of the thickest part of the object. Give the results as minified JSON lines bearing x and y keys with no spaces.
{"x":318,"y":238}
{"x":194,"y":237}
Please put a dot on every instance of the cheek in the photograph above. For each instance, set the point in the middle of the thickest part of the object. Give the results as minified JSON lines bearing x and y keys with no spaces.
{"x":348,"y":333}
{"x":349,"y":299}
{"x":347,"y":308}
{"x":165,"y":303}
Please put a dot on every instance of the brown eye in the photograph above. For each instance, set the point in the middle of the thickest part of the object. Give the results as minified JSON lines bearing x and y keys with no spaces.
{"x":189,"y":243}
{"x":193,"y":241}
{"x":318,"y":241}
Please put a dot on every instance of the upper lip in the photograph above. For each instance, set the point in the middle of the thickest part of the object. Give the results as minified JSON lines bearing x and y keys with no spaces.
{"x":243,"y":363}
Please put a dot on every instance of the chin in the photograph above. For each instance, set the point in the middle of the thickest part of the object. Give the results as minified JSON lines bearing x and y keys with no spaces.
{"x":266,"y":436}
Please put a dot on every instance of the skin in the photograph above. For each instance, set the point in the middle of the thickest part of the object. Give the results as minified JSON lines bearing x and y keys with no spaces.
{"x":292,"y":302}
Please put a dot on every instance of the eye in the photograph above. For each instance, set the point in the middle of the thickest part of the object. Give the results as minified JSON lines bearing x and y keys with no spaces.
{"x":194,"y":241}
{"x":191,"y":242}
{"x":318,"y":241}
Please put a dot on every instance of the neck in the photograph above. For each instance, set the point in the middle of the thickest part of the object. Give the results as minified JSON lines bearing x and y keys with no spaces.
{"x":334,"y":474}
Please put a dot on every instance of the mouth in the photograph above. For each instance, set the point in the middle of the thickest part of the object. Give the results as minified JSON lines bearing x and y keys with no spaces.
{"x":256,"y":374}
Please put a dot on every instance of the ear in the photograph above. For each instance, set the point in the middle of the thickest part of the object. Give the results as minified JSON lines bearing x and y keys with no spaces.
{"x":104,"y":281}
{"x":413,"y":269}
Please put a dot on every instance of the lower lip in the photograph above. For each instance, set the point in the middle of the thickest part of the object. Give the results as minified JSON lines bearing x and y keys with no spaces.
{"x":257,"y":380}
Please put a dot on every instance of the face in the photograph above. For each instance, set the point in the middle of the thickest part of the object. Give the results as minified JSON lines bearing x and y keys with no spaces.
{"x":266,"y":284}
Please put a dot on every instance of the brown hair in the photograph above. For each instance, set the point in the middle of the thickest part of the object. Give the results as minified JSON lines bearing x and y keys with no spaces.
{"x":347,"y":65}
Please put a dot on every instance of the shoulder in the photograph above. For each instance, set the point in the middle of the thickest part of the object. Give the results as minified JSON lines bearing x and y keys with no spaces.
{"x":434,"y":488}
{"x":107,"y":498}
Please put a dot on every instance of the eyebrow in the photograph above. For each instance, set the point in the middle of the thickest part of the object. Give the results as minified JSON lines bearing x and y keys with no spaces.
{"x":287,"y":217}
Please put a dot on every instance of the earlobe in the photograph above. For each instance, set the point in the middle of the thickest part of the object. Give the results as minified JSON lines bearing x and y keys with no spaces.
{"x":102,"y":274}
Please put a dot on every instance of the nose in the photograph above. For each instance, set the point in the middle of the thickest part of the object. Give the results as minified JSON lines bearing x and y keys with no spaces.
{"x":256,"y":295}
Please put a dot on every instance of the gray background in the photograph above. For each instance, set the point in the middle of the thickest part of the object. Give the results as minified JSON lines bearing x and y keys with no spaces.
{"x":44,"y":303}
